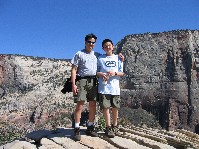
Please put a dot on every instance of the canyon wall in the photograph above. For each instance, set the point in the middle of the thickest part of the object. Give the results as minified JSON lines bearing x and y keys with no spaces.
{"x":30,"y":92}
{"x":161,"y":76}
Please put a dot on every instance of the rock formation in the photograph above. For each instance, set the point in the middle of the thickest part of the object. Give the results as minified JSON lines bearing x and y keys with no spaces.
{"x":30,"y":94}
{"x":161,"y":76}
{"x":159,"y":88}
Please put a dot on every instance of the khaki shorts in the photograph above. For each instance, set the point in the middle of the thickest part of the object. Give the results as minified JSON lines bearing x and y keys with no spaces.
{"x":107,"y":101}
{"x":87,"y":90}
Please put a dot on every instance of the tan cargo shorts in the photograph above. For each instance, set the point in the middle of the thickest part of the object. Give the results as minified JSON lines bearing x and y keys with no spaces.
{"x":87,"y":90}
{"x":107,"y":101}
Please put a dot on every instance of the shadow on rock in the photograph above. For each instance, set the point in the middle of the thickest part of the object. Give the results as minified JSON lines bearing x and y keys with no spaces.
{"x":59,"y":132}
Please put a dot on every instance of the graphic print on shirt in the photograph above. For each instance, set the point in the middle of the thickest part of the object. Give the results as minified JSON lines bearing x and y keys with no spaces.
{"x":110,"y":63}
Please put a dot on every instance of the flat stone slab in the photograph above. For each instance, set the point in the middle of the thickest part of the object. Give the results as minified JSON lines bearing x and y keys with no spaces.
{"x":126,"y":138}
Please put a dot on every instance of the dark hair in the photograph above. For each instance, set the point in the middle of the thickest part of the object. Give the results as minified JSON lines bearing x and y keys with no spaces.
{"x":106,"y":40}
{"x":90,"y":36}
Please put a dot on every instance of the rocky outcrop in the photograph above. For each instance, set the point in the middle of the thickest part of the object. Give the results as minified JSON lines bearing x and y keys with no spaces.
{"x":30,"y":94}
{"x":161,"y":76}
{"x":131,"y":138}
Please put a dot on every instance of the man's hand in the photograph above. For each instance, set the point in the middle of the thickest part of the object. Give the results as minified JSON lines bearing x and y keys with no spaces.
{"x":74,"y":89}
{"x":121,"y":56}
{"x":105,"y":76}
{"x":111,"y":73}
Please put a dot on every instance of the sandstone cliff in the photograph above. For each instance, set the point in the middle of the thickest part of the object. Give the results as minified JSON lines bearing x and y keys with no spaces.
{"x":159,"y":89}
{"x":161,"y":76}
{"x":30,"y":94}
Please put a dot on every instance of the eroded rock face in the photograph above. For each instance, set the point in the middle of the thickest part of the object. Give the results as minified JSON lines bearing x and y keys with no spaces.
{"x":161,"y":76}
{"x":30,"y":91}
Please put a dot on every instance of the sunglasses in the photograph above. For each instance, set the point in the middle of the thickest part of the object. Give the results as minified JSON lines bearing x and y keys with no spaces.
{"x":90,"y":42}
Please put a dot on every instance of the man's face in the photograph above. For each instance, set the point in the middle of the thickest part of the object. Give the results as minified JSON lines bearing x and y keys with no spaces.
{"x":108,"y":47}
{"x":90,"y":43}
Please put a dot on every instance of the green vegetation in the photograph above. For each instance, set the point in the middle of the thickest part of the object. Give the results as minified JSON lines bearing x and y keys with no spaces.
{"x":9,"y":132}
{"x":101,"y":123}
{"x":137,"y":117}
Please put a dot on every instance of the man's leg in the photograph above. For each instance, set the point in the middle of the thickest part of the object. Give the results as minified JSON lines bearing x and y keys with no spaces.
{"x":107,"y":116}
{"x":108,"y":130}
{"x":115,"y":120}
{"x":78,"y":111}
{"x":116,"y":106}
{"x":92,"y":111}
{"x":115,"y":116}
{"x":77,"y":116}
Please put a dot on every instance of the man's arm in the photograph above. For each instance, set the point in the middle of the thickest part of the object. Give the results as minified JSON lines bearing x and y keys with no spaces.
{"x":73,"y":78}
{"x":121,"y":56}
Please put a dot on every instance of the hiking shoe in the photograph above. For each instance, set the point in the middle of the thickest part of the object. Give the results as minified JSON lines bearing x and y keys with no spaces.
{"x":90,"y":131}
{"x":109,"y":132}
{"x":77,"y":136}
{"x":115,"y":129}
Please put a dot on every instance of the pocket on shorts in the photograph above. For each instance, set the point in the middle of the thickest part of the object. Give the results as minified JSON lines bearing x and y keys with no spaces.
{"x":116,"y":101}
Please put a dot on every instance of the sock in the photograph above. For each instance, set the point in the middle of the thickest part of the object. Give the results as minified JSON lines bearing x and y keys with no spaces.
{"x":76,"y":125}
{"x":90,"y":123}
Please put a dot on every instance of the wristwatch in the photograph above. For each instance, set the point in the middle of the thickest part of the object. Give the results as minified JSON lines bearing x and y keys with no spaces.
{"x":115,"y":73}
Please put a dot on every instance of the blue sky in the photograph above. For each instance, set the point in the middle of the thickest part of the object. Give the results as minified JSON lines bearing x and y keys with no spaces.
{"x":56,"y":28}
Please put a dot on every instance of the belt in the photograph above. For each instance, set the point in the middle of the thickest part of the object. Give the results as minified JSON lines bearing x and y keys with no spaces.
{"x":88,"y":77}
{"x":94,"y":78}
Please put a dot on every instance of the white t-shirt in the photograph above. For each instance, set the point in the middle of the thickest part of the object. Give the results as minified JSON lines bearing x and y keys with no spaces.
{"x":109,"y":63}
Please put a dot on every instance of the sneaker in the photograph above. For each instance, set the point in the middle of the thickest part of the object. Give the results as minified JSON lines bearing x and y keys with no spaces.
{"x":77,"y":136}
{"x":90,"y":131}
{"x":115,"y":129}
{"x":109,"y":132}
